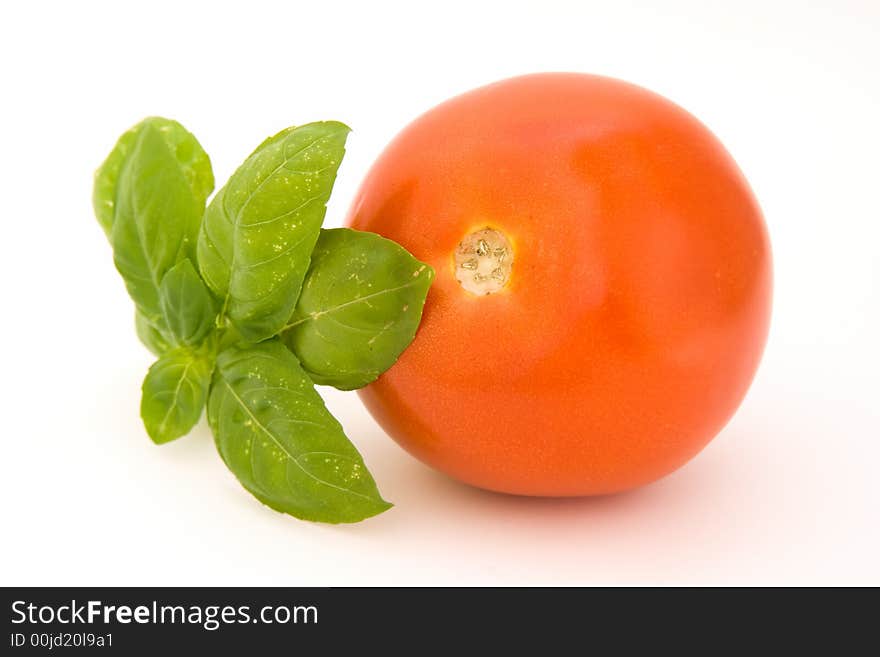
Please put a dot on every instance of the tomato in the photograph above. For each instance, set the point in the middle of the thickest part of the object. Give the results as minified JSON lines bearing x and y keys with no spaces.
{"x":603,"y":285}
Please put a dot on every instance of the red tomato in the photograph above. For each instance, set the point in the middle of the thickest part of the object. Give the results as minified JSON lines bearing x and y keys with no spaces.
{"x":615,"y":285}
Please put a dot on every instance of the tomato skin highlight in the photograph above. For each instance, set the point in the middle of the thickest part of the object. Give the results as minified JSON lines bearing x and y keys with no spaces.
{"x":638,"y":303}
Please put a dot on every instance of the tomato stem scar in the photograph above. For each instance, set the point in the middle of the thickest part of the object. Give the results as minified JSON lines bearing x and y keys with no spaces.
{"x":483,"y":261}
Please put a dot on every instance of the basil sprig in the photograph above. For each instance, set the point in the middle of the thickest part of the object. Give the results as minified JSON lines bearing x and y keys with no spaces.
{"x":248,"y":303}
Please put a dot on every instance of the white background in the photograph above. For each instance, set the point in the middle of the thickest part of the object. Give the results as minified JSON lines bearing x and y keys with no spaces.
{"x":787,"y":494}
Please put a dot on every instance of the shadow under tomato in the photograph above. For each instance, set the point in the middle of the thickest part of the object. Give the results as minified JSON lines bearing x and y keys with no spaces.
{"x":423,"y":495}
{"x":718,"y":480}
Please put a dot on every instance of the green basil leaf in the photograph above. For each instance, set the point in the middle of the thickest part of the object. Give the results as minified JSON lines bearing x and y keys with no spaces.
{"x":149,"y":335}
{"x":187,"y":305}
{"x":156,"y":219}
{"x":188,"y":153}
{"x":275,"y":434}
{"x":258,"y":231}
{"x":359,"y":308}
{"x":174,"y":393}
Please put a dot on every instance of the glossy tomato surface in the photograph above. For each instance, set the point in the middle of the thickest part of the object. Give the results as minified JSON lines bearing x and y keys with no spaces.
{"x":637,"y":302}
